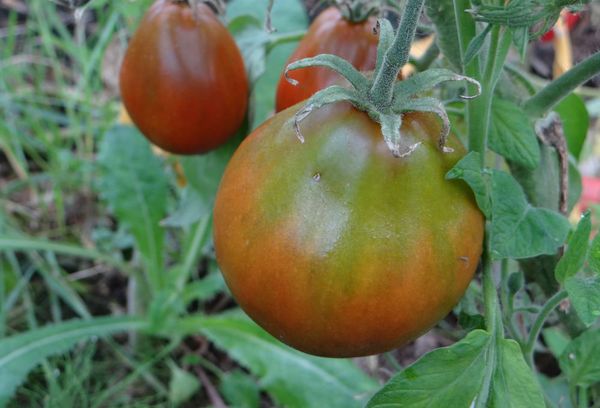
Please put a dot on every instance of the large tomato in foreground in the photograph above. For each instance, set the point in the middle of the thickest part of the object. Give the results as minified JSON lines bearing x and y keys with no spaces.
{"x":335,"y":246}
{"x":183,"y":80}
{"x":330,"y":33}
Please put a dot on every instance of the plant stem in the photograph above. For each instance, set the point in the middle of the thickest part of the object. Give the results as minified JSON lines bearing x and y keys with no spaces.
{"x":583,"y":397}
{"x":540,"y":319}
{"x":284,"y":38}
{"x":490,"y":296}
{"x":556,"y":90}
{"x":397,"y":55}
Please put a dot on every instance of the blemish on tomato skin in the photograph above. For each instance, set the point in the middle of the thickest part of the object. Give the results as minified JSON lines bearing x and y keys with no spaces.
{"x":465,"y":259}
{"x":317,"y":177}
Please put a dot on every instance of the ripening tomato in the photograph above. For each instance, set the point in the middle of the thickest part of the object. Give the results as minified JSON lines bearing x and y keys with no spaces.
{"x":183,"y":79}
{"x":330,"y":33}
{"x":335,"y":246}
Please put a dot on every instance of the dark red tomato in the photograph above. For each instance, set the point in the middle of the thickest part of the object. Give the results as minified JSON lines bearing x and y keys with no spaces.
{"x":335,"y":246}
{"x":330,"y":33}
{"x":183,"y":80}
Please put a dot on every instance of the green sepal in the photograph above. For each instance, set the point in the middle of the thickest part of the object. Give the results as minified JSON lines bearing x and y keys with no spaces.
{"x":333,"y":62}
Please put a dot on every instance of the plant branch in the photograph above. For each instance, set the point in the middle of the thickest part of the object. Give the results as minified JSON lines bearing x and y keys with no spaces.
{"x":397,"y":55}
{"x":540,"y":319}
{"x":556,"y":90}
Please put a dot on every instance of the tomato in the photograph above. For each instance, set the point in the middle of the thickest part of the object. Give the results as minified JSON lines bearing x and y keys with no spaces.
{"x":183,"y":79}
{"x":335,"y":246}
{"x":330,"y":33}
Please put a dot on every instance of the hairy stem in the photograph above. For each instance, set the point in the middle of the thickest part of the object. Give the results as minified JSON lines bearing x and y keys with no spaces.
{"x":397,"y":55}
{"x":556,"y":90}
{"x":540,"y":319}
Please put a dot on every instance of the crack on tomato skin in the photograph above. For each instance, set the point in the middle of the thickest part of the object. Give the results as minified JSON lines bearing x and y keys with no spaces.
{"x":465,"y":259}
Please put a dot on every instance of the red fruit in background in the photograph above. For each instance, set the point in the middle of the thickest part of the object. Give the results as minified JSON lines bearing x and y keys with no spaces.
{"x":330,"y":33}
{"x":183,"y":80}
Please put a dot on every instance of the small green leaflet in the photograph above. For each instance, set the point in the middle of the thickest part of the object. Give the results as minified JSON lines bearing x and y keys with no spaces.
{"x":454,"y":377}
{"x":518,"y":230}
{"x":580,"y":360}
{"x":512,"y":134}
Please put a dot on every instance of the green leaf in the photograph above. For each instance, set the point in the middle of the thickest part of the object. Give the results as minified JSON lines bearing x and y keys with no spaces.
{"x":575,"y":255}
{"x":584,"y":293}
{"x":22,"y":352}
{"x":580,"y":360}
{"x":293,"y":378}
{"x":240,"y":390}
{"x":182,"y":385}
{"x":519,"y":230}
{"x":556,"y":389}
{"x":469,"y":170}
{"x":520,"y":38}
{"x":512,"y":134}
{"x":576,"y":122}
{"x":441,"y":13}
{"x":204,"y":172}
{"x":133,"y":183}
{"x":476,"y":44}
{"x":514,"y":384}
{"x":288,"y":16}
{"x":252,"y":40}
{"x":446,"y":377}
{"x":542,"y":183}
{"x":556,"y":340}
{"x":204,"y":289}
{"x":594,"y":255}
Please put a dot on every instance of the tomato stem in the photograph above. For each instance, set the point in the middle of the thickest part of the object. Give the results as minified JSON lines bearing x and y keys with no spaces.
{"x":540,"y":319}
{"x":556,"y":90}
{"x":396,"y":57}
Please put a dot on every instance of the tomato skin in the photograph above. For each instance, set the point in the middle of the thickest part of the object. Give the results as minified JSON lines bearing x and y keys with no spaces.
{"x":336,"y":247}
{"x":330,"y":33}
{"x":183,"y":80}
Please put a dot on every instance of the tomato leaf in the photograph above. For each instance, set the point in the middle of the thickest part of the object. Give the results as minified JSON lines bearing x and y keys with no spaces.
{"x":584,"y":293}
{"x":575,"y":255}
{"x":513,"y":383}
{"x":468,"y":169}
{"x":519,"y":230}
{"x":133,"y":183}
{"x":556,"y":340}
{"x":594,"y":255}
{"x":22,"y":352}
{"x":520,"y":38}
{"x":441,"y":13}
{"x":446,"y":377}
{"x":542,"y":183}
{"x":288,"y":16}
{"x":576,"y":121}
{"x":580,"y":360}
{"x":294,"y":379}
{"x":476,"y":44}
{"x":512,"y":134}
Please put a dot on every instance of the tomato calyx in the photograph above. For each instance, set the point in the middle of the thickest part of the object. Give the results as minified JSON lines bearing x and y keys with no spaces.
{"x":217,"y":6}
{"x":357,"y":11}
{"x":384,"y":99}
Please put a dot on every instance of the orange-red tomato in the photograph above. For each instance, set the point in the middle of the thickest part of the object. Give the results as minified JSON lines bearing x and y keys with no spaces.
{"x":330,"y":33}
{"x":335,"y":246}
{"x":183,"y":80}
